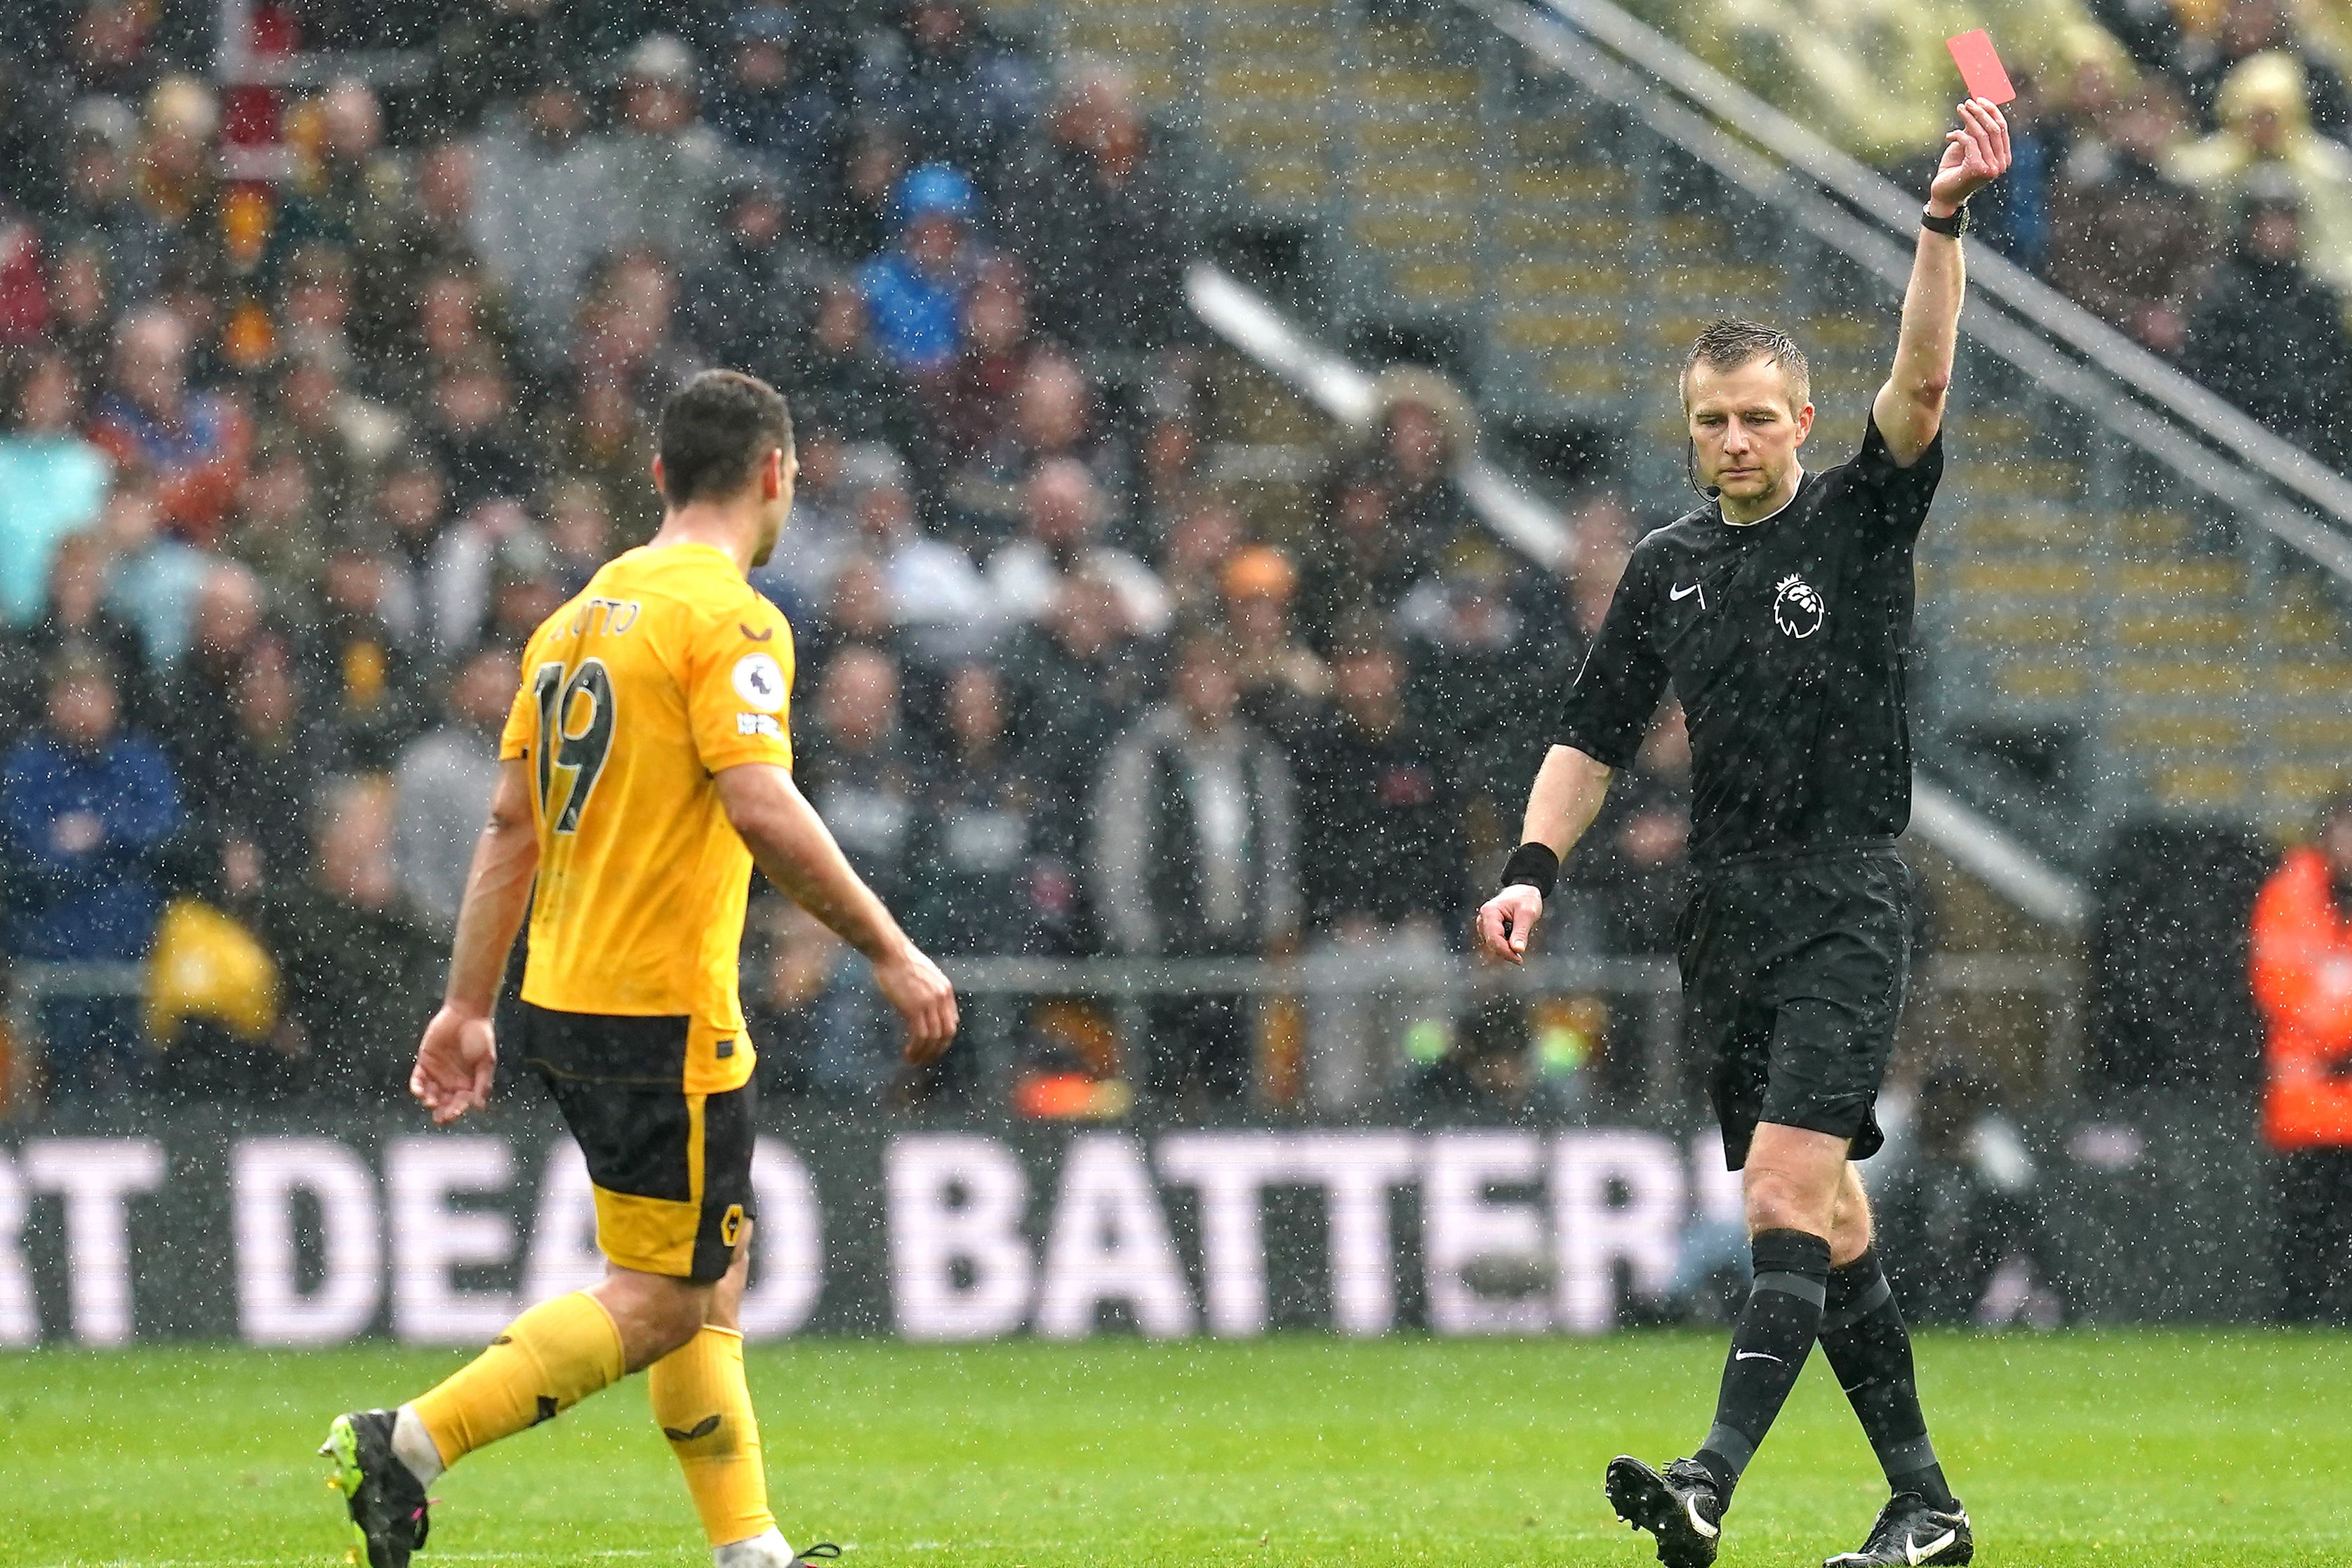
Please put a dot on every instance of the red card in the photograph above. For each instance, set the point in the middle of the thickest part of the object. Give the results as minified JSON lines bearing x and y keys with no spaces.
{"x":1979,"y":67}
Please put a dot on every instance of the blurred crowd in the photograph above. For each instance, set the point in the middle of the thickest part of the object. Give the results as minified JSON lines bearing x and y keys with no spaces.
{"x":2182,"y":168}
{"x":310,"y":416}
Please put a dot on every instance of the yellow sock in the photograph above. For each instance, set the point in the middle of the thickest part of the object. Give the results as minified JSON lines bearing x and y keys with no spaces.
{"x":549,"y":1360}
{"x":704,"y":1407}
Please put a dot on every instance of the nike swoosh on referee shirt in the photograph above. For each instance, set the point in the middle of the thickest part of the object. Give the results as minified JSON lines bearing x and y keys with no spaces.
{"x":1679,"y":594}
{"x":1753,"y":1355}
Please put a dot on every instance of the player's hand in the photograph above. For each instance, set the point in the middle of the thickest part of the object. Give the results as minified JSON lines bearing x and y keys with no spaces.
{"x":924,"y":1000}
{"x":1507,"y":919}
{"x":1974,"y":156}
{"x":454,"y":1065}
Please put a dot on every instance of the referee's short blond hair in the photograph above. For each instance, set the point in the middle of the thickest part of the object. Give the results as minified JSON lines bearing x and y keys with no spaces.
{"x":1728,"y":344}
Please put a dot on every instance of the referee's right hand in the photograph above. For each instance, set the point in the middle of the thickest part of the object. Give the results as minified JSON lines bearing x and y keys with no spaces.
{"x":1507,"y":919}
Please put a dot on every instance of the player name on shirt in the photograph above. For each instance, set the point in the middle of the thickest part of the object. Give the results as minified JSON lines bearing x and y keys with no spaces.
{"x":1788,"y":641}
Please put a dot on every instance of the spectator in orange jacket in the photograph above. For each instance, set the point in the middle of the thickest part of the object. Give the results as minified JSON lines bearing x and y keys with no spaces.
{"x":2302,"y":984}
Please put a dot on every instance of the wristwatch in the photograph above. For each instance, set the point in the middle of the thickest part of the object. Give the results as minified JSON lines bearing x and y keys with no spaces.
{"x":1955,"y":226}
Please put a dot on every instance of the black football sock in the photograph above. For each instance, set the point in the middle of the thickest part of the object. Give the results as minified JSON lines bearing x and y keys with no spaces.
{"x":1870,"y":1351}
{"x":1768,"y":1345}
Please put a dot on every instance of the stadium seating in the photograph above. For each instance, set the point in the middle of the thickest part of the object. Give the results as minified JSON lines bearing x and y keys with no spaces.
{"x":1458,"y":189}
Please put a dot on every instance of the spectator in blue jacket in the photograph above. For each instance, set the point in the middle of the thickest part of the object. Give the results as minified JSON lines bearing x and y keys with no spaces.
{"x":914,"y":292}
{"x":84,"y":809}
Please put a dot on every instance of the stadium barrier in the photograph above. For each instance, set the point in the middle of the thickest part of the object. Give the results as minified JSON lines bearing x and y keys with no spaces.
{"x":1625,"y":1008}
{"x":280,"y":1231}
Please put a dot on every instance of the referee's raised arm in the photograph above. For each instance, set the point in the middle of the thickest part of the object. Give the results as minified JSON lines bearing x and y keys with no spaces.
{"x":1909,"y":409}
{"x":1567,"y":796}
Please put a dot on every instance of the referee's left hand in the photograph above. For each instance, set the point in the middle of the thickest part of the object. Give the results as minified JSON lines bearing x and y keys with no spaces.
{"x":1507,"y":919}
{"x":1974,"y":156}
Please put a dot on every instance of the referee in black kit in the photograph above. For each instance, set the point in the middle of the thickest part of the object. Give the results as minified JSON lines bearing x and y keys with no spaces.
{"x":1781,"y":613}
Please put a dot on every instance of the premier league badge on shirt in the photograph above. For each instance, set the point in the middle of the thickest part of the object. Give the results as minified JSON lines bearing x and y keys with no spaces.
{"x":1798,"y":608}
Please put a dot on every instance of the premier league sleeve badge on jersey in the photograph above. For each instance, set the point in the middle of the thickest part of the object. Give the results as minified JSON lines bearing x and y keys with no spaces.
{"x":1798,"y":608}
{"x":759,"y":682}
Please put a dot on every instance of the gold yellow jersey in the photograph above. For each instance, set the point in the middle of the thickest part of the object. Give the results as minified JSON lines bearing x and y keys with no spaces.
{"x":668,"y":667}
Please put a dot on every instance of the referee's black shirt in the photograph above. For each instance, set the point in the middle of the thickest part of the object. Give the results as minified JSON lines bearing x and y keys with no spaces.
{"x":1788,"y":641}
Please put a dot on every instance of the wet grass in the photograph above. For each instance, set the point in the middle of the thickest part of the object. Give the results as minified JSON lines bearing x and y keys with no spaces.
{"x":2117,"y":1449}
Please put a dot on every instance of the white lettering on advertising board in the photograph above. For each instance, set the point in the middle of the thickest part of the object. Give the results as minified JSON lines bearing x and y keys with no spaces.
{"x":432,"y":1238}
{"x":1231,"y":1171}
{"x":273,"y":1306}
{"x":1109,"y":1242}
{"x":97,"y":1177}
{"x":20,"y":1321}
{"x":1482,"y":1252}
{"x":960,"y":1266}
{"x":1358,"y":1172}
{"x":1519,"y":1232}
{"x":787,"y":1245}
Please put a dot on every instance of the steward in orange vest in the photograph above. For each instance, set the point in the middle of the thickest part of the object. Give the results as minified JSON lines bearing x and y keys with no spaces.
{"x":2303,"y":985}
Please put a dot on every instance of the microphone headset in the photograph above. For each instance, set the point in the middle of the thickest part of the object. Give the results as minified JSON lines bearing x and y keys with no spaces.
{"x":1690,"y":472}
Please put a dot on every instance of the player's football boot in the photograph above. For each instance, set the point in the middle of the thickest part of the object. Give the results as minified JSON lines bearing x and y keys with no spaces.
{"x":771,"y":1551}
{"x":1681,"y":1508}
{"x":1909,"y":1533}
{"x":388,"y":1505}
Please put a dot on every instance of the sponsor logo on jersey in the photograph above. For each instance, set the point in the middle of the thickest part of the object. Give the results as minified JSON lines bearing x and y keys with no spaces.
{"x":1798,"y":607}
{"x":759,"y":724}
{"x":759,"y":682}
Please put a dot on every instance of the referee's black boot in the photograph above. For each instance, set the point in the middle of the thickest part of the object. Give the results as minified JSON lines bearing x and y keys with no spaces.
{"x":1682,"y":1508}
{"x":387,"y":1504}
{"x":1909,"y":1533}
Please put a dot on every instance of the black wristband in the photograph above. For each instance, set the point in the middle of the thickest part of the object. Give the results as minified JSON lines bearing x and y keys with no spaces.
{"x":1955,"y":226}
{"x":1534,"y":864}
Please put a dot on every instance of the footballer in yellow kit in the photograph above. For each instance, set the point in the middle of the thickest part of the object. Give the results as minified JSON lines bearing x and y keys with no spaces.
{"x":668,"y":668}
{"x":645,"y":770}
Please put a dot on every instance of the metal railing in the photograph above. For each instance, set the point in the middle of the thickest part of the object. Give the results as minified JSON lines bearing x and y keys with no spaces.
{"x":1252,"y":325}
{"x":1637,"y":1000}
{"x":29,"y":984}
{"x":236,"y":63}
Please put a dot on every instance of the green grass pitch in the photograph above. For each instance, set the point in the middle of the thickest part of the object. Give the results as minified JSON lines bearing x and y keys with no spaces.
{"x":2115,"y":1450}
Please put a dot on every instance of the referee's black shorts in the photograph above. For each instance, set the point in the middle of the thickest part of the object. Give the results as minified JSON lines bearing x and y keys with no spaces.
{"x":1794,"y":967}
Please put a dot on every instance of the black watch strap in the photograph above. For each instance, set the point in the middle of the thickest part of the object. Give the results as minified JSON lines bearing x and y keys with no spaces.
{"x":1955,"y":226}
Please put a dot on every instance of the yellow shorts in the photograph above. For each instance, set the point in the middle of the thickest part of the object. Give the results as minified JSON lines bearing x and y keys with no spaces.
{"x":672,"y":1170}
